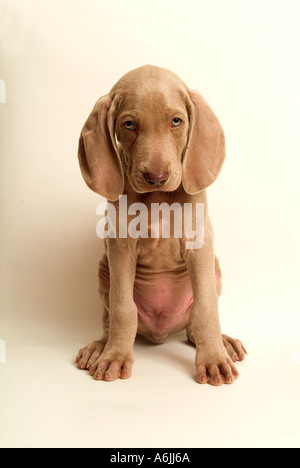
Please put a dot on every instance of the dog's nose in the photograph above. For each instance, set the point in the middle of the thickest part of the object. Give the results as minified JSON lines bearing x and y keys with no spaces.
{"x":156,"y":180}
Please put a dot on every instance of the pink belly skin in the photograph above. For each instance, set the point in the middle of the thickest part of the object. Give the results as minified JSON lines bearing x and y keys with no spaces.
{"x":163,"y":303}
{"x":163,"y":307}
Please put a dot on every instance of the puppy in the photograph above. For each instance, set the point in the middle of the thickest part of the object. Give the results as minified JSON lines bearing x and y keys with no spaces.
{"x":159,"y":144}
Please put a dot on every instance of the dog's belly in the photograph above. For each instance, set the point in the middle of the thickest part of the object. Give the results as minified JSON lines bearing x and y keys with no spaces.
{"x":164,"y":305}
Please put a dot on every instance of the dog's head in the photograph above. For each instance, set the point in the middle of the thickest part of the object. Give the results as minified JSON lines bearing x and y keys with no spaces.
{"x":155,"y":130}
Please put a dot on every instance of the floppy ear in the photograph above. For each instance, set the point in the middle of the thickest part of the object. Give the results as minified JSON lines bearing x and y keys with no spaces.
{"x":205,"y":151}
{"x":98,"y":155}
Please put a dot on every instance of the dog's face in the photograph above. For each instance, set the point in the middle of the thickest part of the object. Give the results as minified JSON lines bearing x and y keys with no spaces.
{"x":152,"y":129}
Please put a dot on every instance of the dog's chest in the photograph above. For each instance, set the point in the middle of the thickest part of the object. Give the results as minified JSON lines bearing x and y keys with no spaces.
{"x":162,"y":290}
{"x":159,"y":256}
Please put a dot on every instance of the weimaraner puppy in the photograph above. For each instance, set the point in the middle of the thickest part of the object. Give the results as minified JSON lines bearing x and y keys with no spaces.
{"x":156,"y":141}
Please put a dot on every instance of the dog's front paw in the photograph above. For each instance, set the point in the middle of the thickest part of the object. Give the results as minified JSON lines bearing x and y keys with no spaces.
{"x":112,"y":365}
{"x":215,"y":367}
{"x":88,"y":355}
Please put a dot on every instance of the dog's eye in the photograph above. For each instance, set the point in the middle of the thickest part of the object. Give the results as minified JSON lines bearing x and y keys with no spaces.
{"x":129,"y":125}
{"x":176,"y":122}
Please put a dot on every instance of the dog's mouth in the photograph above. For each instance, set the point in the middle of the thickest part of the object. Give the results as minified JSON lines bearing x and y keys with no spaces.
{"x":147,"y":182}
{"x":150,"y":189}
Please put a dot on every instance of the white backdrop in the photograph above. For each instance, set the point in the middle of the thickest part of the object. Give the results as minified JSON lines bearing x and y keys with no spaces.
{"x":57,"y":58}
